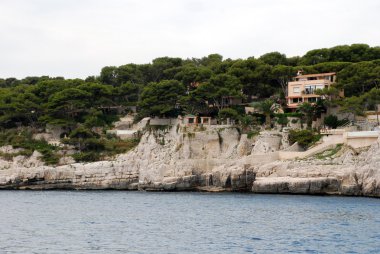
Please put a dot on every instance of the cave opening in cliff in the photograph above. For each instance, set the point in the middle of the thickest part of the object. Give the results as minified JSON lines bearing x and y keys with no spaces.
{"x":228,"y":182}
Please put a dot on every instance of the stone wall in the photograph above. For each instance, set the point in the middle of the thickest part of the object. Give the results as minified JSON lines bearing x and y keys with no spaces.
{"x":163,"y":121}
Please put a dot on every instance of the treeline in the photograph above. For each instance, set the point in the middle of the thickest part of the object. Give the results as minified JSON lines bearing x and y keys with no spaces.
{"x":172,"y":86}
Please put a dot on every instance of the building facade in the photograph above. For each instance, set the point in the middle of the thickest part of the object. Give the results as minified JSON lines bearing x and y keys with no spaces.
{"x":303,"y":88}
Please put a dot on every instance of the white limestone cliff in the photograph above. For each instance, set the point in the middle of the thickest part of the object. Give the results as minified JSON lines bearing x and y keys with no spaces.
{"x":216,"y":159}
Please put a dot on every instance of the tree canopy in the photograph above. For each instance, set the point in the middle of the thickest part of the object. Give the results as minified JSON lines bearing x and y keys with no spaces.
{"x":169,"y":86}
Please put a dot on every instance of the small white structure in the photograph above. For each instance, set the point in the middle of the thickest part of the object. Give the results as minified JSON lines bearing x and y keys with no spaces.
{"x":358,"y":139}
{"x":205,"y":120}
{"x":190,"y":119}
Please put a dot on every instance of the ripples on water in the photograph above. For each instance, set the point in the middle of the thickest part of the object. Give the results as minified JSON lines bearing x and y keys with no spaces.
{"x":138,"y":222}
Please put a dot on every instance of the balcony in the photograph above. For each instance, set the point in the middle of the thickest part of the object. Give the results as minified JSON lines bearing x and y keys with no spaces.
{"x":308,"y":91}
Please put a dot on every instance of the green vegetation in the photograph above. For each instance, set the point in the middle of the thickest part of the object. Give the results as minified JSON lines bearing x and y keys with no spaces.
{"x":252,"y":134}
{"x":329,"y":153}
{"x":267,"y":107}
{"x":228,"y":113}
{"x":308,"y":111}
{"x":305,"y":138}
{"x":333,"y":122}
{"x":294,"y":121}
{"x":357,"y":105}
{"x":282,"y":120}
{"x":171,"y":86}
{"x":91,"y":146}
{"x":23,"y":139}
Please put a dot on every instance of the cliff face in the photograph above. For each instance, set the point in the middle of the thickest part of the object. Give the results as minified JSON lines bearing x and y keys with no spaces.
{"x":190,"y":160}
{"x":212,"y":160}
{"x":348,"y":173}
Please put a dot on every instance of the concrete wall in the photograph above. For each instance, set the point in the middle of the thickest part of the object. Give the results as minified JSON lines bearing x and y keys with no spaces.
{"x":359,"y":143}
{"x":333,"y":138}
{"x":294,"y":148}
{"x":358,"y":139}
{"x":163,"y":121}
{"x":261,"y":158}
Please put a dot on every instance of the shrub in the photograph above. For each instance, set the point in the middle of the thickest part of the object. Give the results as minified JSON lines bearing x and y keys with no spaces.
{"x":117,"y":146}
{"x":82,"y":133}
{"x":290,"y":114}
{"x":86,"y":156}
{"x":23,"y":139}
{"x":228,"y":113}
{"x":247,"y":122}
{"x":331,"y":121}
{"x":252,"y":134}
{"x":305,"y":138}
{"x":282,"y":120}
{"x":260,"y":118}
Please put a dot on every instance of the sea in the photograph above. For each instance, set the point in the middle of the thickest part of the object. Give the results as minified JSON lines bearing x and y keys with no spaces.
{"x":186,"y":222}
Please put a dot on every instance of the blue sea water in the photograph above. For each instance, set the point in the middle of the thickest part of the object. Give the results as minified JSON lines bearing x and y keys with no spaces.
{"x":185,"y":222}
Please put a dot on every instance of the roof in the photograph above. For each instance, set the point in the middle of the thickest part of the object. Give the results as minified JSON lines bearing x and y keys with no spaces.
{"x":316,"y":75}
{"x":295,"y":96}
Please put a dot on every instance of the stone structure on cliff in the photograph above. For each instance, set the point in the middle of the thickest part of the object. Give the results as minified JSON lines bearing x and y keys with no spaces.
{"x":215,"y":159}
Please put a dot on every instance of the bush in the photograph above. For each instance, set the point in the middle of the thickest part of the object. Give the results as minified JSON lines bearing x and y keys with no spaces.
{"x":94,"y":144}
{"x":331,"y":121}
{"x":239,"y":109}
{"x":305,"y":138}
{"x":252,"y":134}
{"x":82,"y":133}
{"x":228,"y":113}
{"x":282,"y":120}
{"x":290,"y":114}
{"x":260,"y":118}
{"x":86,"y":156}
{"x":23,"y":139}
{"x":248,"y":122}
{"x":120,"y":146}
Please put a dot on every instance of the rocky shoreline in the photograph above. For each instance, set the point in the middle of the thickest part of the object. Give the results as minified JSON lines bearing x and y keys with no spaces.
{"x":213,"y":160}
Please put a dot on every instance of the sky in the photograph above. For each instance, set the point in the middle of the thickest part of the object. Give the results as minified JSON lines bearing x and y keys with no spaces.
{"x":76,"y":38}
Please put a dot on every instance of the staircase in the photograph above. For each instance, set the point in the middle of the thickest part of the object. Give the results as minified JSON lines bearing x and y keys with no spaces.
{"x":328,"y":144}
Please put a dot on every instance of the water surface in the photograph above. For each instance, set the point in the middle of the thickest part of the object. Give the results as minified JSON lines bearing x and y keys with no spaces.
{"x":140,"y":222}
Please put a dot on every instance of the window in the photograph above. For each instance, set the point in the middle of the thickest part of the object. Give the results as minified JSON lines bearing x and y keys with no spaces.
{"x":319,"y":87}
{"x":312,"y":99}
{"x":309,"y":89}
{"x":205,"y":120}
{"x":296,"y":90}
{"x":296,"y":100}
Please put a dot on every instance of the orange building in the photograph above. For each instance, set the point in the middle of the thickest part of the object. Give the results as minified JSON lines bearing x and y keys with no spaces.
{"x":303,"y":88}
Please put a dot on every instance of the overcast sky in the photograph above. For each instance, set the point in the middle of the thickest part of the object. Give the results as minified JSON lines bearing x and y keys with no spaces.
{"x":76,"y":38}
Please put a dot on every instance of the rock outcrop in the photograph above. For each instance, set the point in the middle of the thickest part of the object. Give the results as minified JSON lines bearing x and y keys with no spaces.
{"x":215,"y":159}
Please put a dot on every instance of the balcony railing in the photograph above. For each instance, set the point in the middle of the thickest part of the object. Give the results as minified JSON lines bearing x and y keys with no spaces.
{"x":308,"y":91}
